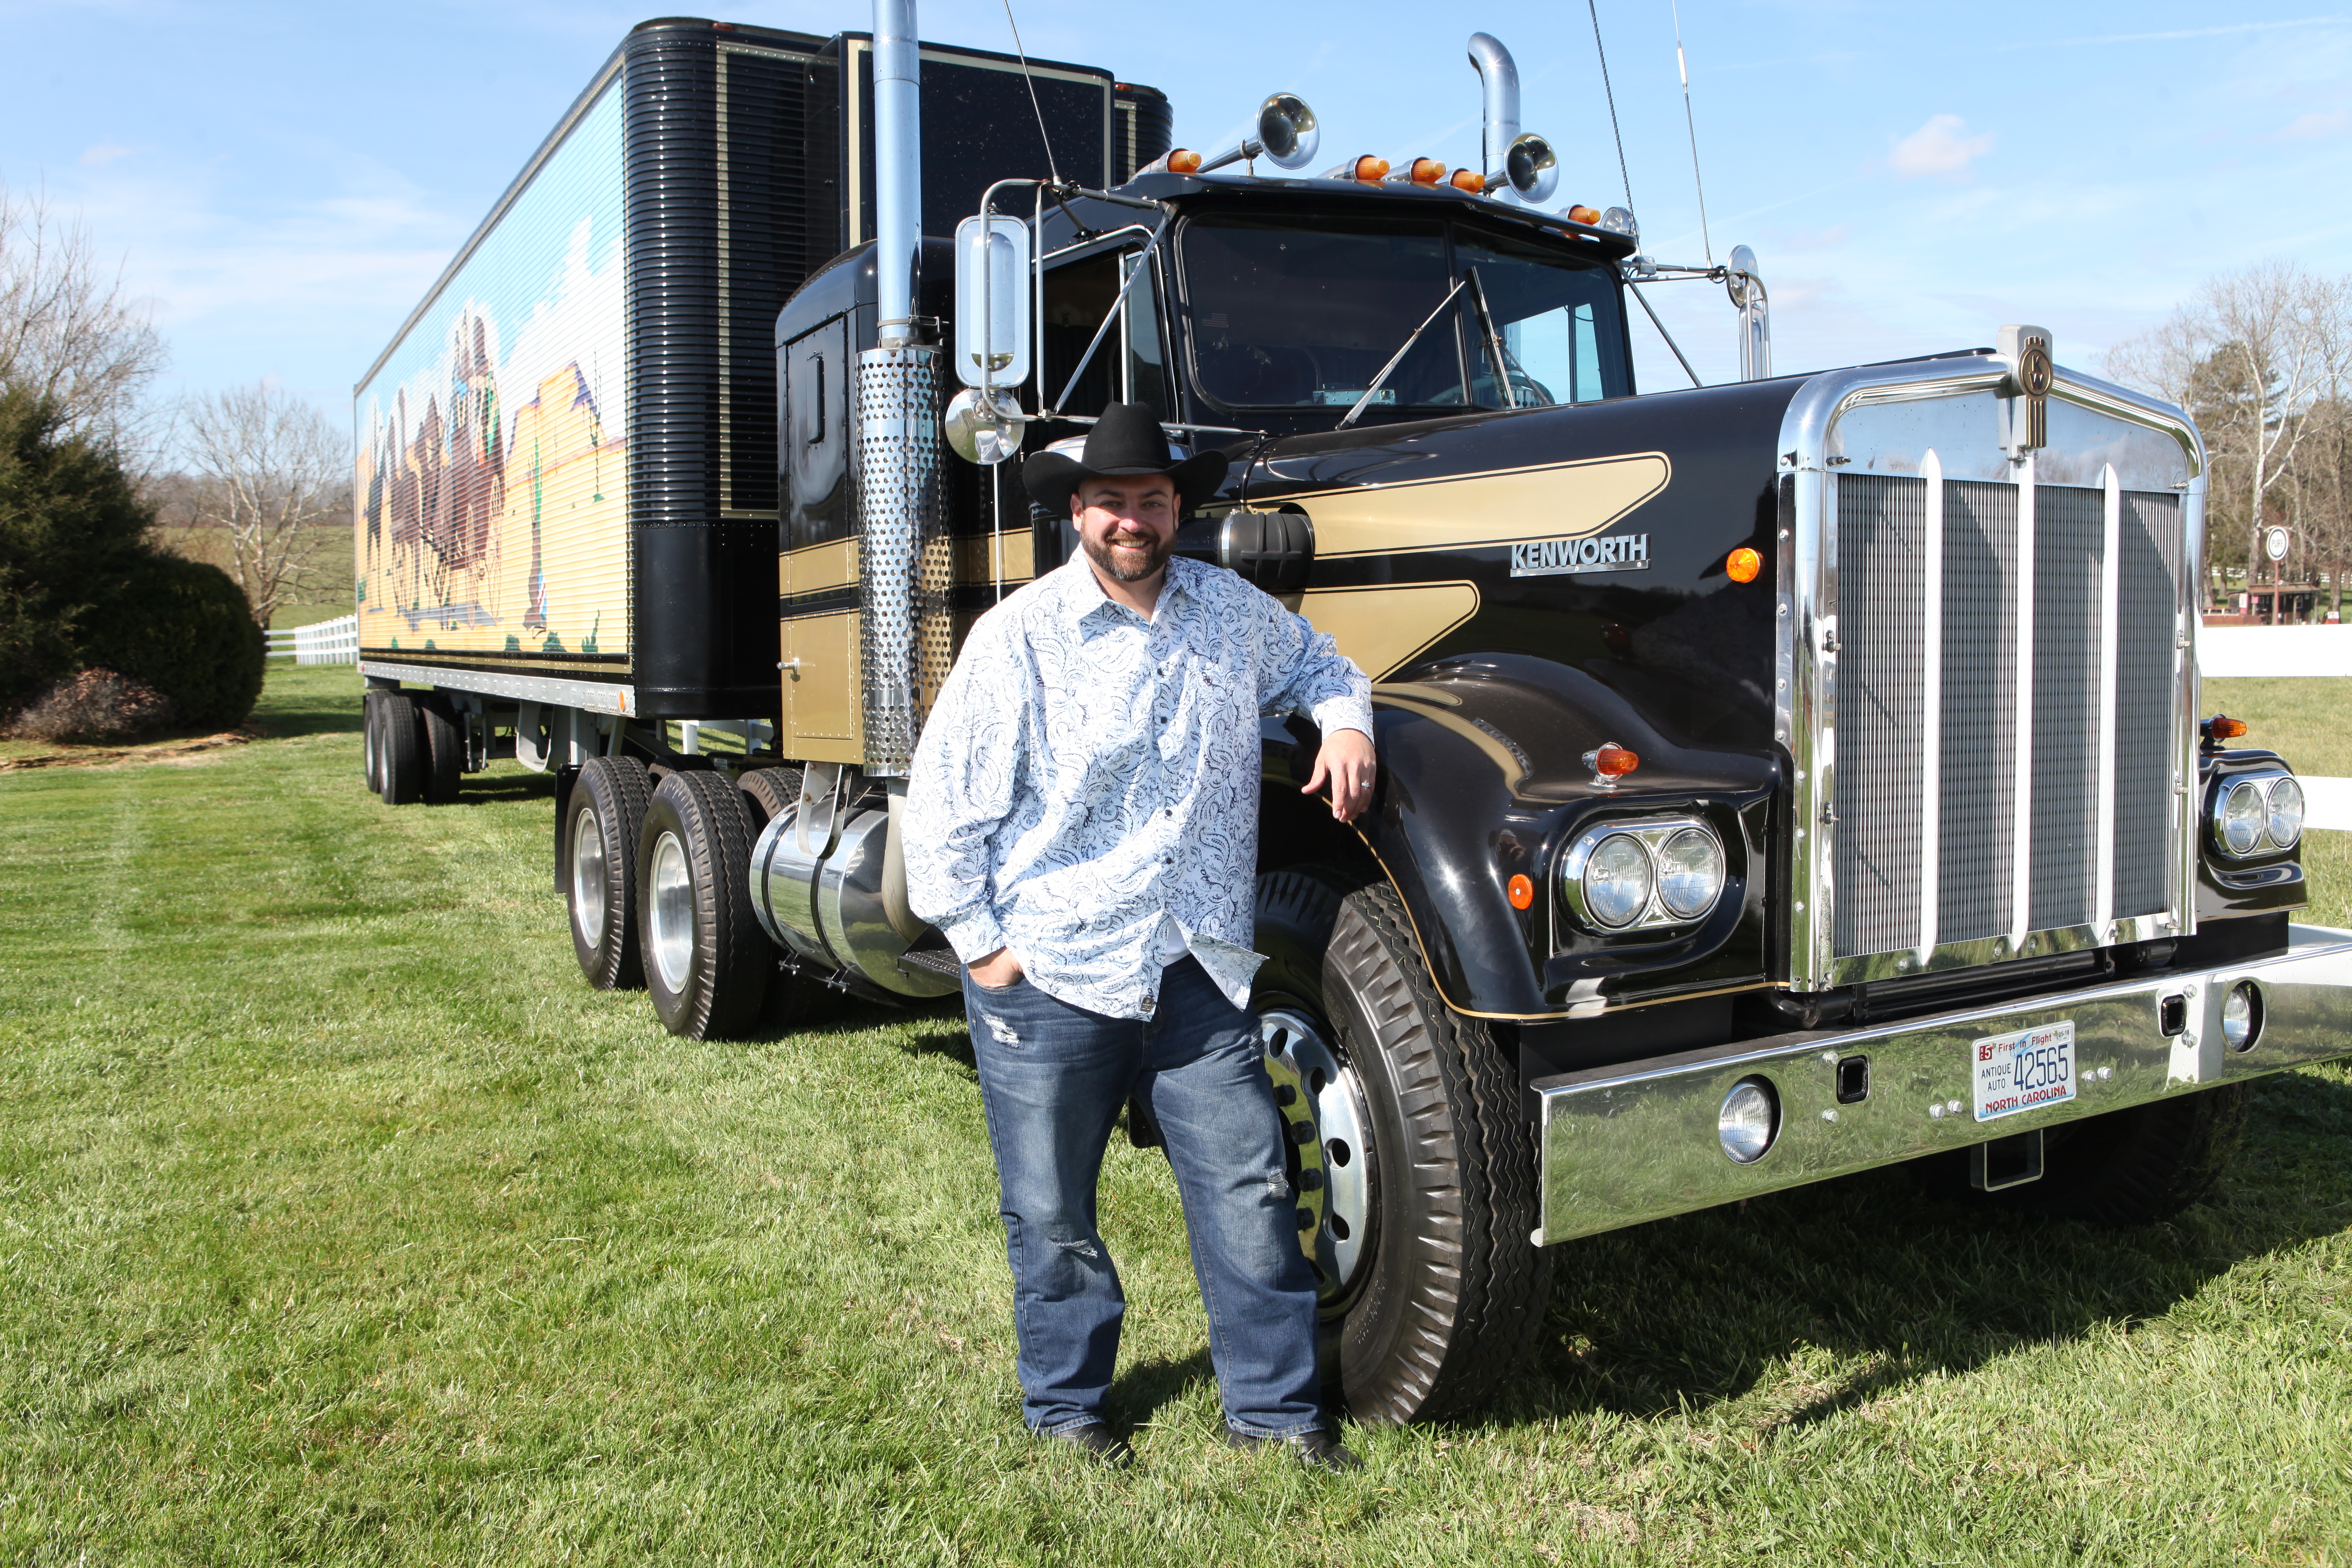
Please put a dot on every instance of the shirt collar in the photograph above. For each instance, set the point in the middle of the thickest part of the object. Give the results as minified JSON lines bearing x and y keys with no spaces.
{"x":1081,"y":594}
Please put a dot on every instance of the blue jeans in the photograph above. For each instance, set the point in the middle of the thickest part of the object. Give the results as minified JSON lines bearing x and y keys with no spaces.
{"x":1053,"y":1079}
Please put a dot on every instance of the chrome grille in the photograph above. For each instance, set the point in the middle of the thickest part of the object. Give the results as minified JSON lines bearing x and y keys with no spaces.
{"x":1928,"y":703}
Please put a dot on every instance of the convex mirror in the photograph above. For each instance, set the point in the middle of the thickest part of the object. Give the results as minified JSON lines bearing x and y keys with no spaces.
{"x":992,"y":324}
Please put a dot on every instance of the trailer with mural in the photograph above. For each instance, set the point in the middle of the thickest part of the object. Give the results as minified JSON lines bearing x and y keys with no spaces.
{"x":1778,"y":780}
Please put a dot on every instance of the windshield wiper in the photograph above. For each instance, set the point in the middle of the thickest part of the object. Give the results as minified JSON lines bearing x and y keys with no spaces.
{"x":1487,"y":327}
{"x":1398,"y":358}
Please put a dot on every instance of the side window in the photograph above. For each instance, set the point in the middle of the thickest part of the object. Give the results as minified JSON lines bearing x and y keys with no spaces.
{"x":1131,"y":365}
{"x":814,"y":436}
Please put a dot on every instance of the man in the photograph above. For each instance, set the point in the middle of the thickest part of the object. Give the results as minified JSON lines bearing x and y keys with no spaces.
{"x":1082,"y":824}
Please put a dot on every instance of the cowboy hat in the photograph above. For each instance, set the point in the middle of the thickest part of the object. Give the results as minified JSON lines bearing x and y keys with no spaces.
{"x":1126,"y":441}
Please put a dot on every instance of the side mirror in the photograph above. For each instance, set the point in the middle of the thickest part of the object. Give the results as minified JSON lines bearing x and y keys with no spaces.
{"x":993,"y":324}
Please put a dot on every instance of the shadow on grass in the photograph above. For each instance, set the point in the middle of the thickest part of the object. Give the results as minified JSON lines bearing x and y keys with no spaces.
{"x":1897,"y":1283}
{"x":1139,"y":1393}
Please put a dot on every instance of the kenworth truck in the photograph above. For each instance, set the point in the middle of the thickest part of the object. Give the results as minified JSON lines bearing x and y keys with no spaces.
{"x":1778,"y":780}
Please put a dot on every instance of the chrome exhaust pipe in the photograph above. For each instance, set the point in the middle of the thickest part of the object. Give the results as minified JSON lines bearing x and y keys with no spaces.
{"x":1498,"y":75}
{"x":902,"y":558}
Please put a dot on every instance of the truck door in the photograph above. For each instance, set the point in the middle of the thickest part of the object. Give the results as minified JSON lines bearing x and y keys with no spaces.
{"x":817,"y":583}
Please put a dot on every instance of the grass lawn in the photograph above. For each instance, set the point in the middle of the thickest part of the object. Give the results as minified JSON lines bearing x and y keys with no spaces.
{"x":343,"y":1223}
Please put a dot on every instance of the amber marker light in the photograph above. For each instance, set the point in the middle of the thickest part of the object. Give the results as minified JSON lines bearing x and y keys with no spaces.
{"x":1611,"y":760}
{"x":1583,"y":214}
{"x":1372,"y":171}
{"x":1183,"y":161}
{"x":1469,"y":179}
{"x":1742,"y":565}
{"x":1522,"y":891}
{"x":1419,"y":172}
{"x":2221,"y":727}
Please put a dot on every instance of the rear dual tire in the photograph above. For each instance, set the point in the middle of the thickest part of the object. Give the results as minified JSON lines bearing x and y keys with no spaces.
{"x":603,"y":817}
{"x":706,"y":963}
{"x":412,"y":748}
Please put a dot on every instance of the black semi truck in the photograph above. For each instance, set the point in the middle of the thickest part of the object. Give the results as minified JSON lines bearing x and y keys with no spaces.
{"x":1778,"y":779}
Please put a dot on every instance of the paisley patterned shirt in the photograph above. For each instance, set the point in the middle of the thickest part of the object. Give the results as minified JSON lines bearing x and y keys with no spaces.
{"x":1089,"y":774}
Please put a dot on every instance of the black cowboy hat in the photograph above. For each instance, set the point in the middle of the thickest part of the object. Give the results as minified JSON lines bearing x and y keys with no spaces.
{"x":1125,"y":441}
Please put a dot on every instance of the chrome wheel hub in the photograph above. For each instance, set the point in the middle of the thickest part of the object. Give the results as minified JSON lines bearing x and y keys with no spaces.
{"x":1322,"y":1107}
{"x":588,"y":876}
{"x":671,"y":902}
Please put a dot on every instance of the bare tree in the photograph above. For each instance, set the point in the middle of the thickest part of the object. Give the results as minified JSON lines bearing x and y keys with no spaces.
{"x":2248,"y":357}
{"x":67,"y":331}
{"x":268,"y":473}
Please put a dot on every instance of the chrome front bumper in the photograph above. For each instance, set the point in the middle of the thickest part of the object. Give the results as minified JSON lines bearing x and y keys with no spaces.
{"x":1625,"y":1144}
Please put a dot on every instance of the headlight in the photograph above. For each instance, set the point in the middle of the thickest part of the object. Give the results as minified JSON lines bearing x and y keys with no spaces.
{"x":1637,"y":875}
{"x":1749,"y":1119}
{"x":1616,"y":881}
{"x":2286,"y":813}
{"x":2243,"y":818}
{"x":1690,"y":873}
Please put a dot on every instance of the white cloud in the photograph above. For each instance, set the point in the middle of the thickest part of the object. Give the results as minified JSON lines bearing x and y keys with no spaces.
{"x":1938,"y":148}
{"x":2319,"y":123}
{"x":99,"y":154}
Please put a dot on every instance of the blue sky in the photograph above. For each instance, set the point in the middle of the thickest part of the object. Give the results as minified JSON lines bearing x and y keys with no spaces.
{"x":283,"y":182}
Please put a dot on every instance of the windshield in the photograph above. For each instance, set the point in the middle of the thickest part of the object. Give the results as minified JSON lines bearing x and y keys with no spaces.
{"x":1285,"y":317}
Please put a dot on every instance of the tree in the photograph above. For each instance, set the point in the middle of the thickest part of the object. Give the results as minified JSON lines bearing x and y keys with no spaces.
{"x":2247,"y":357}
{"x":67,"y":332}
{"x":71,"y":522}
{"x":266,"y":469}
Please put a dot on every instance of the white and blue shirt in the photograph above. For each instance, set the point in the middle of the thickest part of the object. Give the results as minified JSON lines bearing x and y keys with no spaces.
{"x":1089,"y":775}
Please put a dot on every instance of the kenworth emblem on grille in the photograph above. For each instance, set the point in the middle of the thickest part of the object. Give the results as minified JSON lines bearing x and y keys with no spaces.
{"x":2031,"y":374}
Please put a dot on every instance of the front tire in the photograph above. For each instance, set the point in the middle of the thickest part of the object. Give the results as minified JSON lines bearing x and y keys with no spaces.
{"x":606,"y":811}
{"x":1433,"y":1292}
{"x":706,"y":962}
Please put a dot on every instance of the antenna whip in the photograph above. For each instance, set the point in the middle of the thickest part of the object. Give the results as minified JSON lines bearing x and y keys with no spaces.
{"x":1691,"y":125}
{"x":1607,"y":91}
{"x":1034,"y":106}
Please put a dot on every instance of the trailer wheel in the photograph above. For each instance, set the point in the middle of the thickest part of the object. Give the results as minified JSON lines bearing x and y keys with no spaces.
{"x":1421,"y":1223}
{"x":399,"y":749}
{"x":706,"y":962}
{"x":606,"y":810}
{"x":370,"y":700}
{"x":768,"y":793}
{"x":443,"y":752}
{"x":2127,"y":1167}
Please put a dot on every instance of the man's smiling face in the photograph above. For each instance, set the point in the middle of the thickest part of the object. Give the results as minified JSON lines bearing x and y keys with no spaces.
{"x":1126,"y":523}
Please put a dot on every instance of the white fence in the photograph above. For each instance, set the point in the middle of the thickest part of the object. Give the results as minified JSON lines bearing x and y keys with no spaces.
{"x":322,"y":642}
{"x":2230,"y":652}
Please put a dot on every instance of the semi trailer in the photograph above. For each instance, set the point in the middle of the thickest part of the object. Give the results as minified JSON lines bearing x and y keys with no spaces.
{"x":1778,"y":779}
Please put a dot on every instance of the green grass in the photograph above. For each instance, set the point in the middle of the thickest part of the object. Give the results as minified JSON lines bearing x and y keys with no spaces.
{"x":342,"y":1224}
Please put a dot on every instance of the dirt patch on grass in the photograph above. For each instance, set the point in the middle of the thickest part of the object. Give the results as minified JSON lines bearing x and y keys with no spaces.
{"x":181,"y":750}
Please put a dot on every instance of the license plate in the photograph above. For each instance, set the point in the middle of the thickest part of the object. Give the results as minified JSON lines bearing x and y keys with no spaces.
{"x":2024,"y":1070}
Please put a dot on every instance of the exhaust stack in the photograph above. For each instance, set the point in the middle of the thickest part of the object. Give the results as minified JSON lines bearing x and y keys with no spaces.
{"x":1498,"y":75}
{"x":902,"y":541}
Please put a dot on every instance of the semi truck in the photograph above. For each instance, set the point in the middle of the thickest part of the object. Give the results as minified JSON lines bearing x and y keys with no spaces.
{"x":1778,"y":779}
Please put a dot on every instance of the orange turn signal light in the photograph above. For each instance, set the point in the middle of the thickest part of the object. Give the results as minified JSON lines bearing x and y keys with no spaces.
{"x":2221,"y":727}
{"x":1421,"y":172}
{"x":1742,"y":565}
{"x":1469,"y":179}
{"x":1183,"y":161}
{"x":1370,"y":170}
{"x":1522,"y":891}
{"x":1583,"y":214}
{"x":1612,"y":761}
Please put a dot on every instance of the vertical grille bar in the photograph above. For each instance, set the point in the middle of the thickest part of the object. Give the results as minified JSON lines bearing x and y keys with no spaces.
{"x":2020,"y":838}
{"x":2069,"y":532}
{"x":1979,"y":709}
{"x":1931,"y":703}
{"x":1881,"y":523}
{"x":2103,"y":838}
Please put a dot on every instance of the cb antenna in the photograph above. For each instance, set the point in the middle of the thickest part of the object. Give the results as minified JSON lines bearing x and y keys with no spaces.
{"x":1024,"y":56}
{"x":1683,"y":65}
{"x":1610,"y":93}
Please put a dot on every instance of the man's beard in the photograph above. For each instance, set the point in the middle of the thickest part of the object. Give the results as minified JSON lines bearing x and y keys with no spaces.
{"x":1156,"y":551}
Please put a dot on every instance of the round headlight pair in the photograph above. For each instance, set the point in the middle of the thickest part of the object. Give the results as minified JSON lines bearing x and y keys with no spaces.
{"x":2252,"y":814}
{"x":1619,"y":878}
